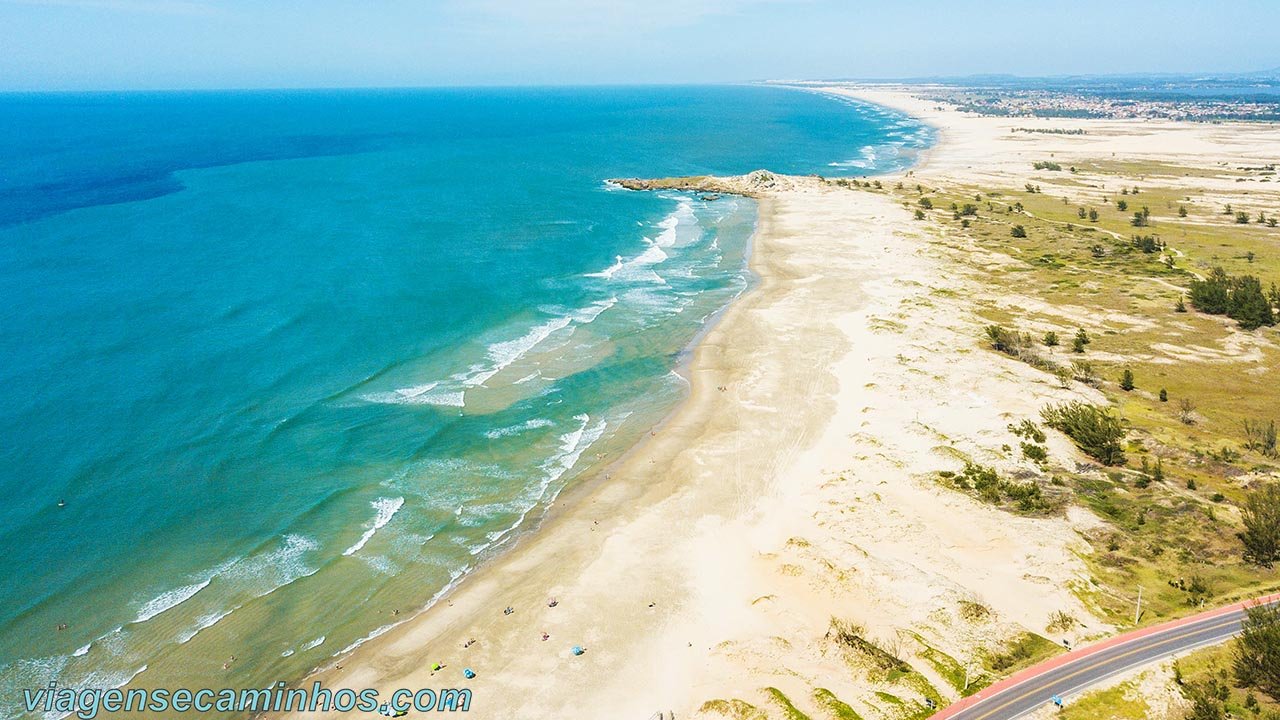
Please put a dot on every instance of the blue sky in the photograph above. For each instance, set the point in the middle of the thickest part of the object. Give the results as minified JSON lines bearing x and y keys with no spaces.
{"x":129,"y":44}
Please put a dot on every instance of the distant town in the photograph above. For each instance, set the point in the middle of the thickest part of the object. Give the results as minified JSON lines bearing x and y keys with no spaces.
{"x":1054,"y":103}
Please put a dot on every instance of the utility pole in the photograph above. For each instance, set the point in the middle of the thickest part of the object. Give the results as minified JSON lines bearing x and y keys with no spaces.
{"x":1137,"y":611}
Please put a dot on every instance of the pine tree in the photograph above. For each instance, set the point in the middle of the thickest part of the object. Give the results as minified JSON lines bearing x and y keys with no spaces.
{"x":1260,"y":513}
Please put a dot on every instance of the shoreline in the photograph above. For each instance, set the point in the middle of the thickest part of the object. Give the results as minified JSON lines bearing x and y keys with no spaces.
{"x":692,"y":366}
{"x":568,"y":497}
{"x":575,"y":498}
{"x":601,"y":506}
{"x":787,"y":490}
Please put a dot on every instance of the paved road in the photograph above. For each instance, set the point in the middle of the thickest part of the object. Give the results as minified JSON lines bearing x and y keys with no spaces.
{"x":1069,"y":674}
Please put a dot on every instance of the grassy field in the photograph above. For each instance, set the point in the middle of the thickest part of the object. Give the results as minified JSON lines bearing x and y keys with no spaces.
{"x":1075,"y":264}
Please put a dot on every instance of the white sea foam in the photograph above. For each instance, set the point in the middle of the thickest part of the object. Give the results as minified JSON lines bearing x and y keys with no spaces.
{"x":376,"y":633}
{"x":385,"y":509}
{"x":169,"y":600}
{"x":502,"y":354}
{"x":498,"y":357}
{"x":280,"y":567}
{"x":204,"y":622}
{"x":641,"y":267}
{"x":110,"y":680}
{"x":380,"y":564}
{"x":454,"y":577}
{"x":82,"y":650}
{"x":588,"y":314}
{"x":531,"y":424}
{"x":102,"y":680}
{"x":572,"y":444}
{"x":416,"y":391}
{"x":667,"y":237}
{"x":608,"y":272}
{"x":866,"y":161}
{"x":305,"y":647}
{"x":417,"y":395}
{"x":682,"y":217}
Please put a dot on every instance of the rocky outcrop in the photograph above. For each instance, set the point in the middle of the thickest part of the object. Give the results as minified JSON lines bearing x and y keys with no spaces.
{"x":751,"y":184}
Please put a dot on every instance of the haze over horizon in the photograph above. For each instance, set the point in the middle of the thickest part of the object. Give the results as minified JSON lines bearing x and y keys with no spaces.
{"x":206,"y":44}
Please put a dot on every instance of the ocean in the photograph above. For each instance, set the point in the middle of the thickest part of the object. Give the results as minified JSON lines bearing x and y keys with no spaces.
{"x":277,"y":369}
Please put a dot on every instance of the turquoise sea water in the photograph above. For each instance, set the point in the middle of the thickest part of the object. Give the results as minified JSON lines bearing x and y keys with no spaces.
{"x":295,"y":360}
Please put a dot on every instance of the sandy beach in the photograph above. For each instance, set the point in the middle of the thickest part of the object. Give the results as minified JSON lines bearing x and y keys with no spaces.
{"x":797,"y":484}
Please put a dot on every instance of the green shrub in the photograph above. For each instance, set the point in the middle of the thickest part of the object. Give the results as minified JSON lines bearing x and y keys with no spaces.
{"x":991,"y":488}
{"x":1028,"y":430}
{"x":1255,"y":661}
{"x":1095,"y":430}
{"x":1260,"y":514}
{"x":1261,"y":436}
{"x":1035,"y":453}
{"x":1205,"y":701}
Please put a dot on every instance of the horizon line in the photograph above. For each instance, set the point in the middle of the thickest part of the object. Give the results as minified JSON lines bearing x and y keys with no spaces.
{"x":1274,"y":74}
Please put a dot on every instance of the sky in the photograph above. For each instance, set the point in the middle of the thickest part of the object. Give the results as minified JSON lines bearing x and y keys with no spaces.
{"x":162,"y":44}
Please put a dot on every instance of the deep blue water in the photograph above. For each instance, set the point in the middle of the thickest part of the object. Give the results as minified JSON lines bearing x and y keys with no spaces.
{"x":295,"y":359}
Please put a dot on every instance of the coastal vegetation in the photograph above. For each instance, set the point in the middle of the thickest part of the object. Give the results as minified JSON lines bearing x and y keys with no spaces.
{"x":1051,"y":131}
{"x":1240,"y":298}
{"x":1238,"y":679}
{"x":1181,"y":453}
{"x":986,"y":484}
{"x":1256,"y":658}
{"x":1096,"y":430}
